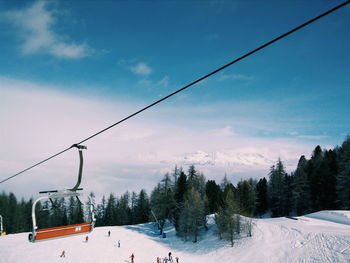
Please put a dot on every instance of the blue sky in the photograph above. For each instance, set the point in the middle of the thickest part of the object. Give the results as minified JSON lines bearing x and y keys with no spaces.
{"x":72,"y":64}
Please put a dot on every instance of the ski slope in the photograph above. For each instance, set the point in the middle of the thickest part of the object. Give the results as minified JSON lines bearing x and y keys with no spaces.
{"x":318,"y":237}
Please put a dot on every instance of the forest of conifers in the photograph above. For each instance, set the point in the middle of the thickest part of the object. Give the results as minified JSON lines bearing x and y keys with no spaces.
{"x":183,"y":197}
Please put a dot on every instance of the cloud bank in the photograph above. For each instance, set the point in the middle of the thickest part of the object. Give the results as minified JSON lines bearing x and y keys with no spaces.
{"x":35,"y":26}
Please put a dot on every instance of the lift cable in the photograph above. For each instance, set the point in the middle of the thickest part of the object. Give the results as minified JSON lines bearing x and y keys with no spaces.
{"x":187,"y":86}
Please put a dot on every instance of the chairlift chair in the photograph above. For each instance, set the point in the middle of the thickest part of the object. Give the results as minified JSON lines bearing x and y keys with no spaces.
{"x":68,"y":230}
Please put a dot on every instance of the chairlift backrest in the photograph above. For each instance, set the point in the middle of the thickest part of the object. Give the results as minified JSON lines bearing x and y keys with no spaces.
{"x":61,"y":231}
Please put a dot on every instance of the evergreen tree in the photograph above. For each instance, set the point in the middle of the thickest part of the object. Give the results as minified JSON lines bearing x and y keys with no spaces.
{"x":58,"y":213}
{"x":100,"y":212}
{"x":196,"y":180}
{"x":110,"y":215}
{"x":276,"y":187}
{"x":226,"y":186}
{"x":261,"y":197}
{"x":163,"y":202}
{"x":228,"y":219}
{"x":214,"y":196}
{"x":133,"y":208}
{"x":287,"y":195}
{"x":75,"y":211}
{"x":314,"y":174}
{"x":123,"y":210}
{"x":343,"y":177}
{"x":12,"y":219}
{"x":301,"y":192}
{"x":142,"y":208}
{"x":328,"y":175}
{"x":192,"y":217}
{"x":246,"y":197}
{"x":179,"y":196}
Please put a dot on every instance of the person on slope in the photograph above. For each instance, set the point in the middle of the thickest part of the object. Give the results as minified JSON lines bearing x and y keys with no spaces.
{"x":86,"y":239}
{"x":63,"y":254}
{"x":132,"y":258}
{"x":177,"y":259}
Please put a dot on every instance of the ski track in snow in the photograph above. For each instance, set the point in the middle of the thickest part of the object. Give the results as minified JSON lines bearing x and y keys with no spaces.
{"x":308,"y":239}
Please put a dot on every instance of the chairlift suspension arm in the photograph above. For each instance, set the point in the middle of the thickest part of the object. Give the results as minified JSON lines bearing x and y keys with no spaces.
{"x":1,"y":228}
{"x":80,"y":148}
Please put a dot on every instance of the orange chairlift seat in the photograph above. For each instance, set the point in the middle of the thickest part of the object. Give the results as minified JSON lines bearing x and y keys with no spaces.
{"x":68,"y":230}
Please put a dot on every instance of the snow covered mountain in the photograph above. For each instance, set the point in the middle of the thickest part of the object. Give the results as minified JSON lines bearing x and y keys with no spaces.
{"x":227,"y":158}
{"x":318,"y":237}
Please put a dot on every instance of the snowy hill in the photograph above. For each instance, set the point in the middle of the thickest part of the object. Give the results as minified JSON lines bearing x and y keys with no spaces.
{"x":318,"y":237}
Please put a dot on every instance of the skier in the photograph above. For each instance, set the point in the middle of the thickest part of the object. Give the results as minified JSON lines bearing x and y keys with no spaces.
{"x":118,"y":243}
{"x":109,"y":233}
{"x":169,"y":256}
{"x":132,"y":258}
{"x":158,"y":260}
{"x":86,"y":239}
{"x":177,"y":259}
{"x":63,"y":254}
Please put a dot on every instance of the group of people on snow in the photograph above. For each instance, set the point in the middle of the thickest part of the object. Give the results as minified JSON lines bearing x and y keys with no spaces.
{"x":168,"y":259}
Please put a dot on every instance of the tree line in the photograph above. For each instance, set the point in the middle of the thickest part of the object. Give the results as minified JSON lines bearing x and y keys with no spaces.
{"x":186,"y":198}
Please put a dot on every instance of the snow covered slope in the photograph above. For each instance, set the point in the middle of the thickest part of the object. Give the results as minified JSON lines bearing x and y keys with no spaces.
{"x":308,"y":239}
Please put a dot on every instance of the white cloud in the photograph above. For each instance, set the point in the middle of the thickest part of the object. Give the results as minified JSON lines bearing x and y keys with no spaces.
{"x":141,"y":68}
{"x":223,"y":77}
{"x":164,"y":82}
{"x":35,"y":24}
{"x":131,"y":156}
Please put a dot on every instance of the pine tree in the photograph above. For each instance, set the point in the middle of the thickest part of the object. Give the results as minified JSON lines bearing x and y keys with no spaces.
{"x":288,"y":203}
{"x":328,"y":173}
{"x":123,"y":211}
{"x":142,"y":208}
{"x":162,"y":202}
{"x":110,"y":215}
{"x":261,"y":197}
{"x":314,"y":174}
{"x":228,"y":219}
{"x":343,"y":177}
{"x":133,"y":208}
{"x":196,"y":180}
{"x":301,"y":192}
{"x":100,"y":212}
{"x":192,"y":217}
{"x":179,"y":196}
{"x":246,"y":197}
{"x":276,"y":187}
{"x":214,"y":195}
{"x":12,"y":220}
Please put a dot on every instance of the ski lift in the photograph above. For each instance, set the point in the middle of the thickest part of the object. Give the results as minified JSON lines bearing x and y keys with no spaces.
{"x":68,"y":230}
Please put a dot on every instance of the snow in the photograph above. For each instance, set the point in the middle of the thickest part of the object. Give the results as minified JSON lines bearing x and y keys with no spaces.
{"x":318,"y":237}
{"x":228,"y":157}
{"x":342,"y":217}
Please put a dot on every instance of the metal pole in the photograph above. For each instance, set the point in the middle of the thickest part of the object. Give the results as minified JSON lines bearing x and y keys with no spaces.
{"x":1,"y":229}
